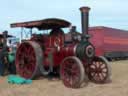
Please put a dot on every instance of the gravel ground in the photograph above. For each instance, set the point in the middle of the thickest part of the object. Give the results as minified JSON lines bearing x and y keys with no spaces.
{"x":46,"y":87}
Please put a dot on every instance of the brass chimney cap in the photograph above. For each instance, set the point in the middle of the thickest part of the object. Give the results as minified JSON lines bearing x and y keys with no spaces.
{"x":84,"y":9}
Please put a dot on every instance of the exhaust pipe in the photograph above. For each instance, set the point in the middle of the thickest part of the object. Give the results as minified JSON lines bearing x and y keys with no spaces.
{"x":85,"y":21}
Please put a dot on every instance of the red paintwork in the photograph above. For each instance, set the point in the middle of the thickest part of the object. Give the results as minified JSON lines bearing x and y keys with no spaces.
{"x":49,"y":42}
{"x":108,"y":40}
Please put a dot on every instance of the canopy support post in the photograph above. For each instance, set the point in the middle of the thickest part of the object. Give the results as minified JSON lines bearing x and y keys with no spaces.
{"x":21,"y":34}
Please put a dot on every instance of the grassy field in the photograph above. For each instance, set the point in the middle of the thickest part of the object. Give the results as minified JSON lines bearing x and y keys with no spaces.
{"x":45,"y":87}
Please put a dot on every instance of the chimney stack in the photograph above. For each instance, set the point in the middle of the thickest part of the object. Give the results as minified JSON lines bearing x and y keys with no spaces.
{"x":85,"y":20}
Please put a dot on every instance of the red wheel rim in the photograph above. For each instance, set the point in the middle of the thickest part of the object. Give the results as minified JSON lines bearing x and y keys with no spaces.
{"x":26,"y":60}
{"x":71,"y":73}
{"x":98,"y":70}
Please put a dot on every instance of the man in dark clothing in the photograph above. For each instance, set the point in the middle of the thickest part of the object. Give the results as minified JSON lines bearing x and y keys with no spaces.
{"x":2,"y":59}
{"x":3,"y":53}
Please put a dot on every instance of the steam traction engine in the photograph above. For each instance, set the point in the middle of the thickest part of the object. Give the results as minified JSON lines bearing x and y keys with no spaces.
{"x":72,"y":55}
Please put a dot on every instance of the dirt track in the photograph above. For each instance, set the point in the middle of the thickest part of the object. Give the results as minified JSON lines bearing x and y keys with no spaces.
{"x":44,"y":87}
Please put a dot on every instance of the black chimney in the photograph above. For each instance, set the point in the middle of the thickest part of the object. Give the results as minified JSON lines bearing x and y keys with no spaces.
{"x":85,"y":20}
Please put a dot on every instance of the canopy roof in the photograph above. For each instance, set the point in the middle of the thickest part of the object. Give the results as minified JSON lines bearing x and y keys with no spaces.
{"x":43,"y":24}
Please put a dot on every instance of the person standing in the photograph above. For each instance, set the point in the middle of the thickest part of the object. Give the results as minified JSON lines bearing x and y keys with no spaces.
{"x":11,"y":61}
{"x":2,"y":54}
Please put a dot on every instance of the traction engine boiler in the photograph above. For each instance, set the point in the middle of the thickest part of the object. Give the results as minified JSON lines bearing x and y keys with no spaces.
{"x":73,"y":57}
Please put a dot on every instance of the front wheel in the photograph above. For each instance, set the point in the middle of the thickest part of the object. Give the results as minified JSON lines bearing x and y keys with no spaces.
{"x":100,"y":70}
{"x":72,"y":72}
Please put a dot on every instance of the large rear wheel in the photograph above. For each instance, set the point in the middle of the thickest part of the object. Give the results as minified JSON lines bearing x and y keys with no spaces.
{"x":72,"y":72}
{"x":28,"y":58}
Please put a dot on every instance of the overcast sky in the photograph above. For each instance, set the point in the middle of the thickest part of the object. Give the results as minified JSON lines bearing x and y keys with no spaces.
{"x":112,"y":13}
